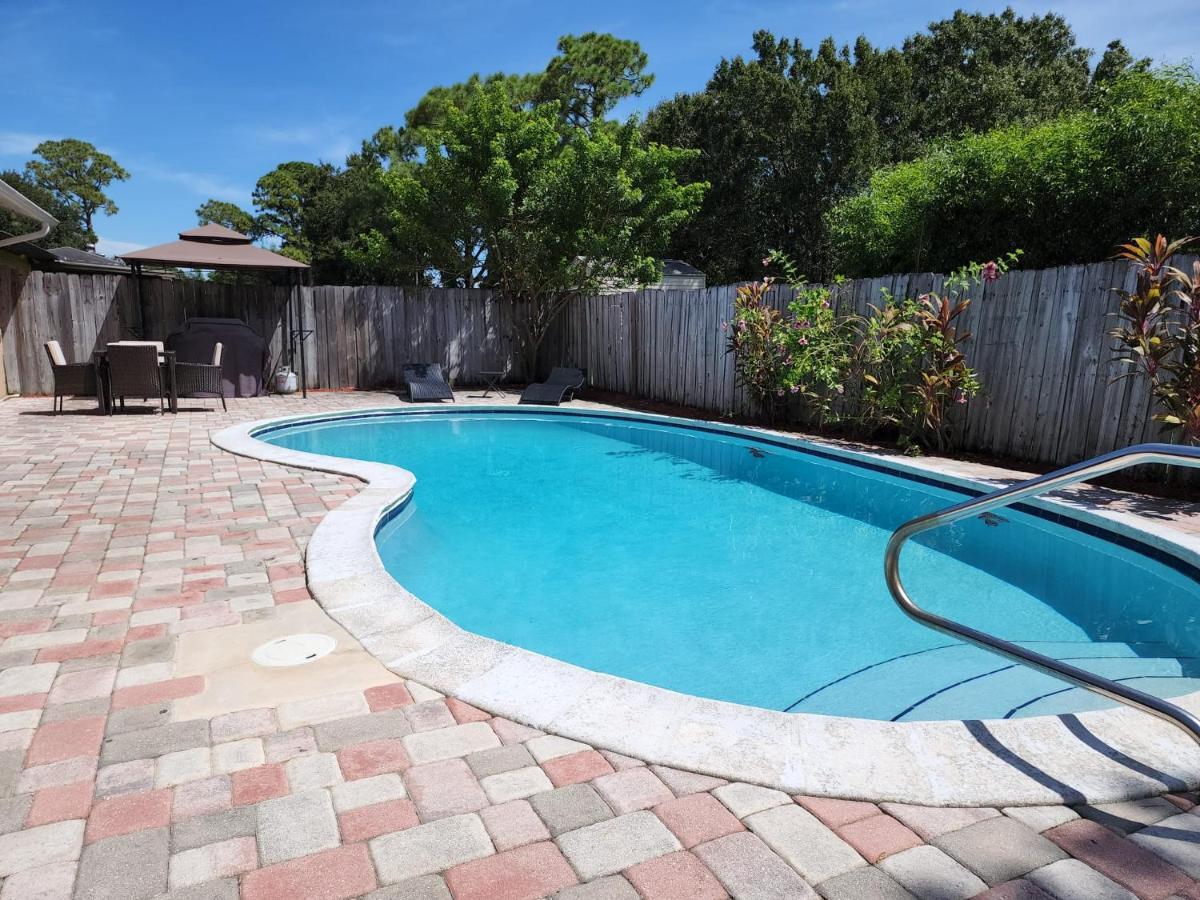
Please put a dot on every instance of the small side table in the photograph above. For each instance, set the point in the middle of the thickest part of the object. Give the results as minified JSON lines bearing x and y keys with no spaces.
{"x":493,"y":383}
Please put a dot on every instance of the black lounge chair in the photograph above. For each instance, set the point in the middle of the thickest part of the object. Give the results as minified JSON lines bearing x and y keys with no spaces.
{"x":560,"y":387}
{"x":426,"y":382}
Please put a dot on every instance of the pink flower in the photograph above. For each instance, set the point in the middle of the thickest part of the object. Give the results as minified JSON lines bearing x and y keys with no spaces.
{"x":779,"y":393}
{"x":803,"y":342}
{"x":962,"y":397}
{"x":741,"y":325}
{"x":795,"y":388}
{"x":989,"y":271}
{"x":766,"y":261}
{"x":724,"y":326}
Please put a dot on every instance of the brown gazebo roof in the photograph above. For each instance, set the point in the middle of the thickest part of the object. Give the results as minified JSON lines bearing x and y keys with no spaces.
{"x":212,"y":247}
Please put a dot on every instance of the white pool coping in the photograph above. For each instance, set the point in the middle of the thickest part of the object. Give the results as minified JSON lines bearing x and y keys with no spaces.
{"x":1093,"y":757}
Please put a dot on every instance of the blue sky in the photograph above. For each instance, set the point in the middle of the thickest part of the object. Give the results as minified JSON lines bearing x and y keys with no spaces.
{"x":199,"y":100}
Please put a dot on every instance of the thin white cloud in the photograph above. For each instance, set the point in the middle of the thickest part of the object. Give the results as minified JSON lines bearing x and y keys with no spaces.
{"x":329,"y":141}
{"x":198,"y":183}
{"x":110,"y":247}
{"x":19,"y":143}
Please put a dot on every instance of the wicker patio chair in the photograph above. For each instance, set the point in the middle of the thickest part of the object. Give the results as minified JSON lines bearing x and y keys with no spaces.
{"x":70,"y":379}
{"x":201,"y":379}
{"x":134,"y":371}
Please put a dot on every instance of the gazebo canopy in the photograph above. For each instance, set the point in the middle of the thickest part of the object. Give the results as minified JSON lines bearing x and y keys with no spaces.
{"x":217,"y":247}
{"x":212,"y":247}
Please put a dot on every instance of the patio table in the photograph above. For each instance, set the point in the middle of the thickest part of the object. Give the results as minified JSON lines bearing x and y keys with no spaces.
{"x":492,"y":379}
{"x":103,"y":389}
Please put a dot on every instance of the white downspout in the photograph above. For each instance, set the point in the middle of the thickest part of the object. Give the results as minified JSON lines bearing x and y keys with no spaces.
{"x":12,"y":199}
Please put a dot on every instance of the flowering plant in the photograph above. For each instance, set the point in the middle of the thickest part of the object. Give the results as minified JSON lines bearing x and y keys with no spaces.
{"x":912,"y":367}
{"x":804,"y":356}
{"x":1160,"y":331}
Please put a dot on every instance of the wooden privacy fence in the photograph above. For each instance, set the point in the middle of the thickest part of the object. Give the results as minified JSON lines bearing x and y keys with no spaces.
{"x":1040,"y":343}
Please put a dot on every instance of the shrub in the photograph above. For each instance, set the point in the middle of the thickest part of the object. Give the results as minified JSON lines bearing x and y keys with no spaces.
{"x":804,"y":356}
{"x":1160,"y":332}
{"x":912,"y":367}
{"x":1071,"y":188}
{"x":903,"y":362}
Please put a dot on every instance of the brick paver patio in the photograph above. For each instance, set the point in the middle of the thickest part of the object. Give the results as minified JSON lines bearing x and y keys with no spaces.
{"x":133,"y":554}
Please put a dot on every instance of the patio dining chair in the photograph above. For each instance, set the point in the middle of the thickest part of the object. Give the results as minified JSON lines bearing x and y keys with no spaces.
{"x":201,"y":379}
{"x":70,"y":379}
{"x":134,"y":371}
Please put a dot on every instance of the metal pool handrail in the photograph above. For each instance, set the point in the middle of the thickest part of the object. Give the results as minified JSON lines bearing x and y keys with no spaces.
{"x":1141,"y":454}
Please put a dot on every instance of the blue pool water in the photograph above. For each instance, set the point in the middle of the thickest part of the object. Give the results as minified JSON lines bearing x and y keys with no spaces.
{"x":728,"y":567}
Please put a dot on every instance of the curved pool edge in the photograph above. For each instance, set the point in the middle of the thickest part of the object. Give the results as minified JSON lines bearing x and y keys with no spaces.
{"x":1093,"y":757}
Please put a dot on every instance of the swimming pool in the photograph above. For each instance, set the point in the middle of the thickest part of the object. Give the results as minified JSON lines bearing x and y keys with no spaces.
{"x":742,"y":568}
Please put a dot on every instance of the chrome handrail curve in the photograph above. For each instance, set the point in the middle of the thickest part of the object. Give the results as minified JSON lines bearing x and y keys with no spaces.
{"x":1141,"y":454}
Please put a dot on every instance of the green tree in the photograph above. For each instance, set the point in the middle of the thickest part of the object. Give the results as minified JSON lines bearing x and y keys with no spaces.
{"x":1066,"y":191}
{"x":515,"y":200}
{"x":222,"y":212}
{"x":972,"y":72}
{"x":1115,"y":62}
{"x":780,"y":137}
{"x":284,"y":197}
{"x":790,"y":131}
{"x":67,"y":233}
{"x":76,"y":174}
{"x":591,"y":74}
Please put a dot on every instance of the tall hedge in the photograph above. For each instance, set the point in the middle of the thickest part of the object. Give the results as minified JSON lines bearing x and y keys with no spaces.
{"x":1064,"y":191}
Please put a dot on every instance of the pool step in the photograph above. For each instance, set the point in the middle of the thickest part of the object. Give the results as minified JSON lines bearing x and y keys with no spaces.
{"x":960,"y":681}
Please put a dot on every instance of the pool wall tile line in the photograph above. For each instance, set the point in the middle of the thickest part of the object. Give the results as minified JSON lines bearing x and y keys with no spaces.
{"x":1102,"y":756}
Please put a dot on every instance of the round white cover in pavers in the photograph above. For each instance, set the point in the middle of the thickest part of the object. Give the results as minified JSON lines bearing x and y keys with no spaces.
{"x":293,"y":650}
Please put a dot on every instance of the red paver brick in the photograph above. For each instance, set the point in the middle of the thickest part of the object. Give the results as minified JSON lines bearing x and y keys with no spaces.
{"x":513,"y":824}
{"x":25,"y":626}
{"x":146,"y":632}
{"x":388,"y":696}
{"x":57,"y":804}
{"x":1123,"y":861}
{"x":157,"y":692}
{"x":676,"y":876}
{"x":128,"y":813}
{"x":372,"y":758}
{"x":632,"y":789}
{"x":79,"y":651}
{"x":367,"y":822}
{"x":330,"y":875}
{"x":22,"y":702}
{"x":258,"y":784}
{"x":292,"y":595}
{"x":836,"y":813}
{"x":445,"y":788}
{"x":878,"y":837}
{"x":576,"y":768}
{"x":199,"y":798}
{"x":529,"y":872}
{"x":465,"y":712}
{"x":697,"y":818}
{"x":57,"y":741}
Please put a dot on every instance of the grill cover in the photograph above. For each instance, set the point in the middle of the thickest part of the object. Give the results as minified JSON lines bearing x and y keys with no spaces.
{"x":245,"y":356}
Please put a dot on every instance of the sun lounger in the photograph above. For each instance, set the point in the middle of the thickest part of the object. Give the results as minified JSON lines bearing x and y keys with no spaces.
{"x":426,"y":382}
{"x":560,"y":387}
